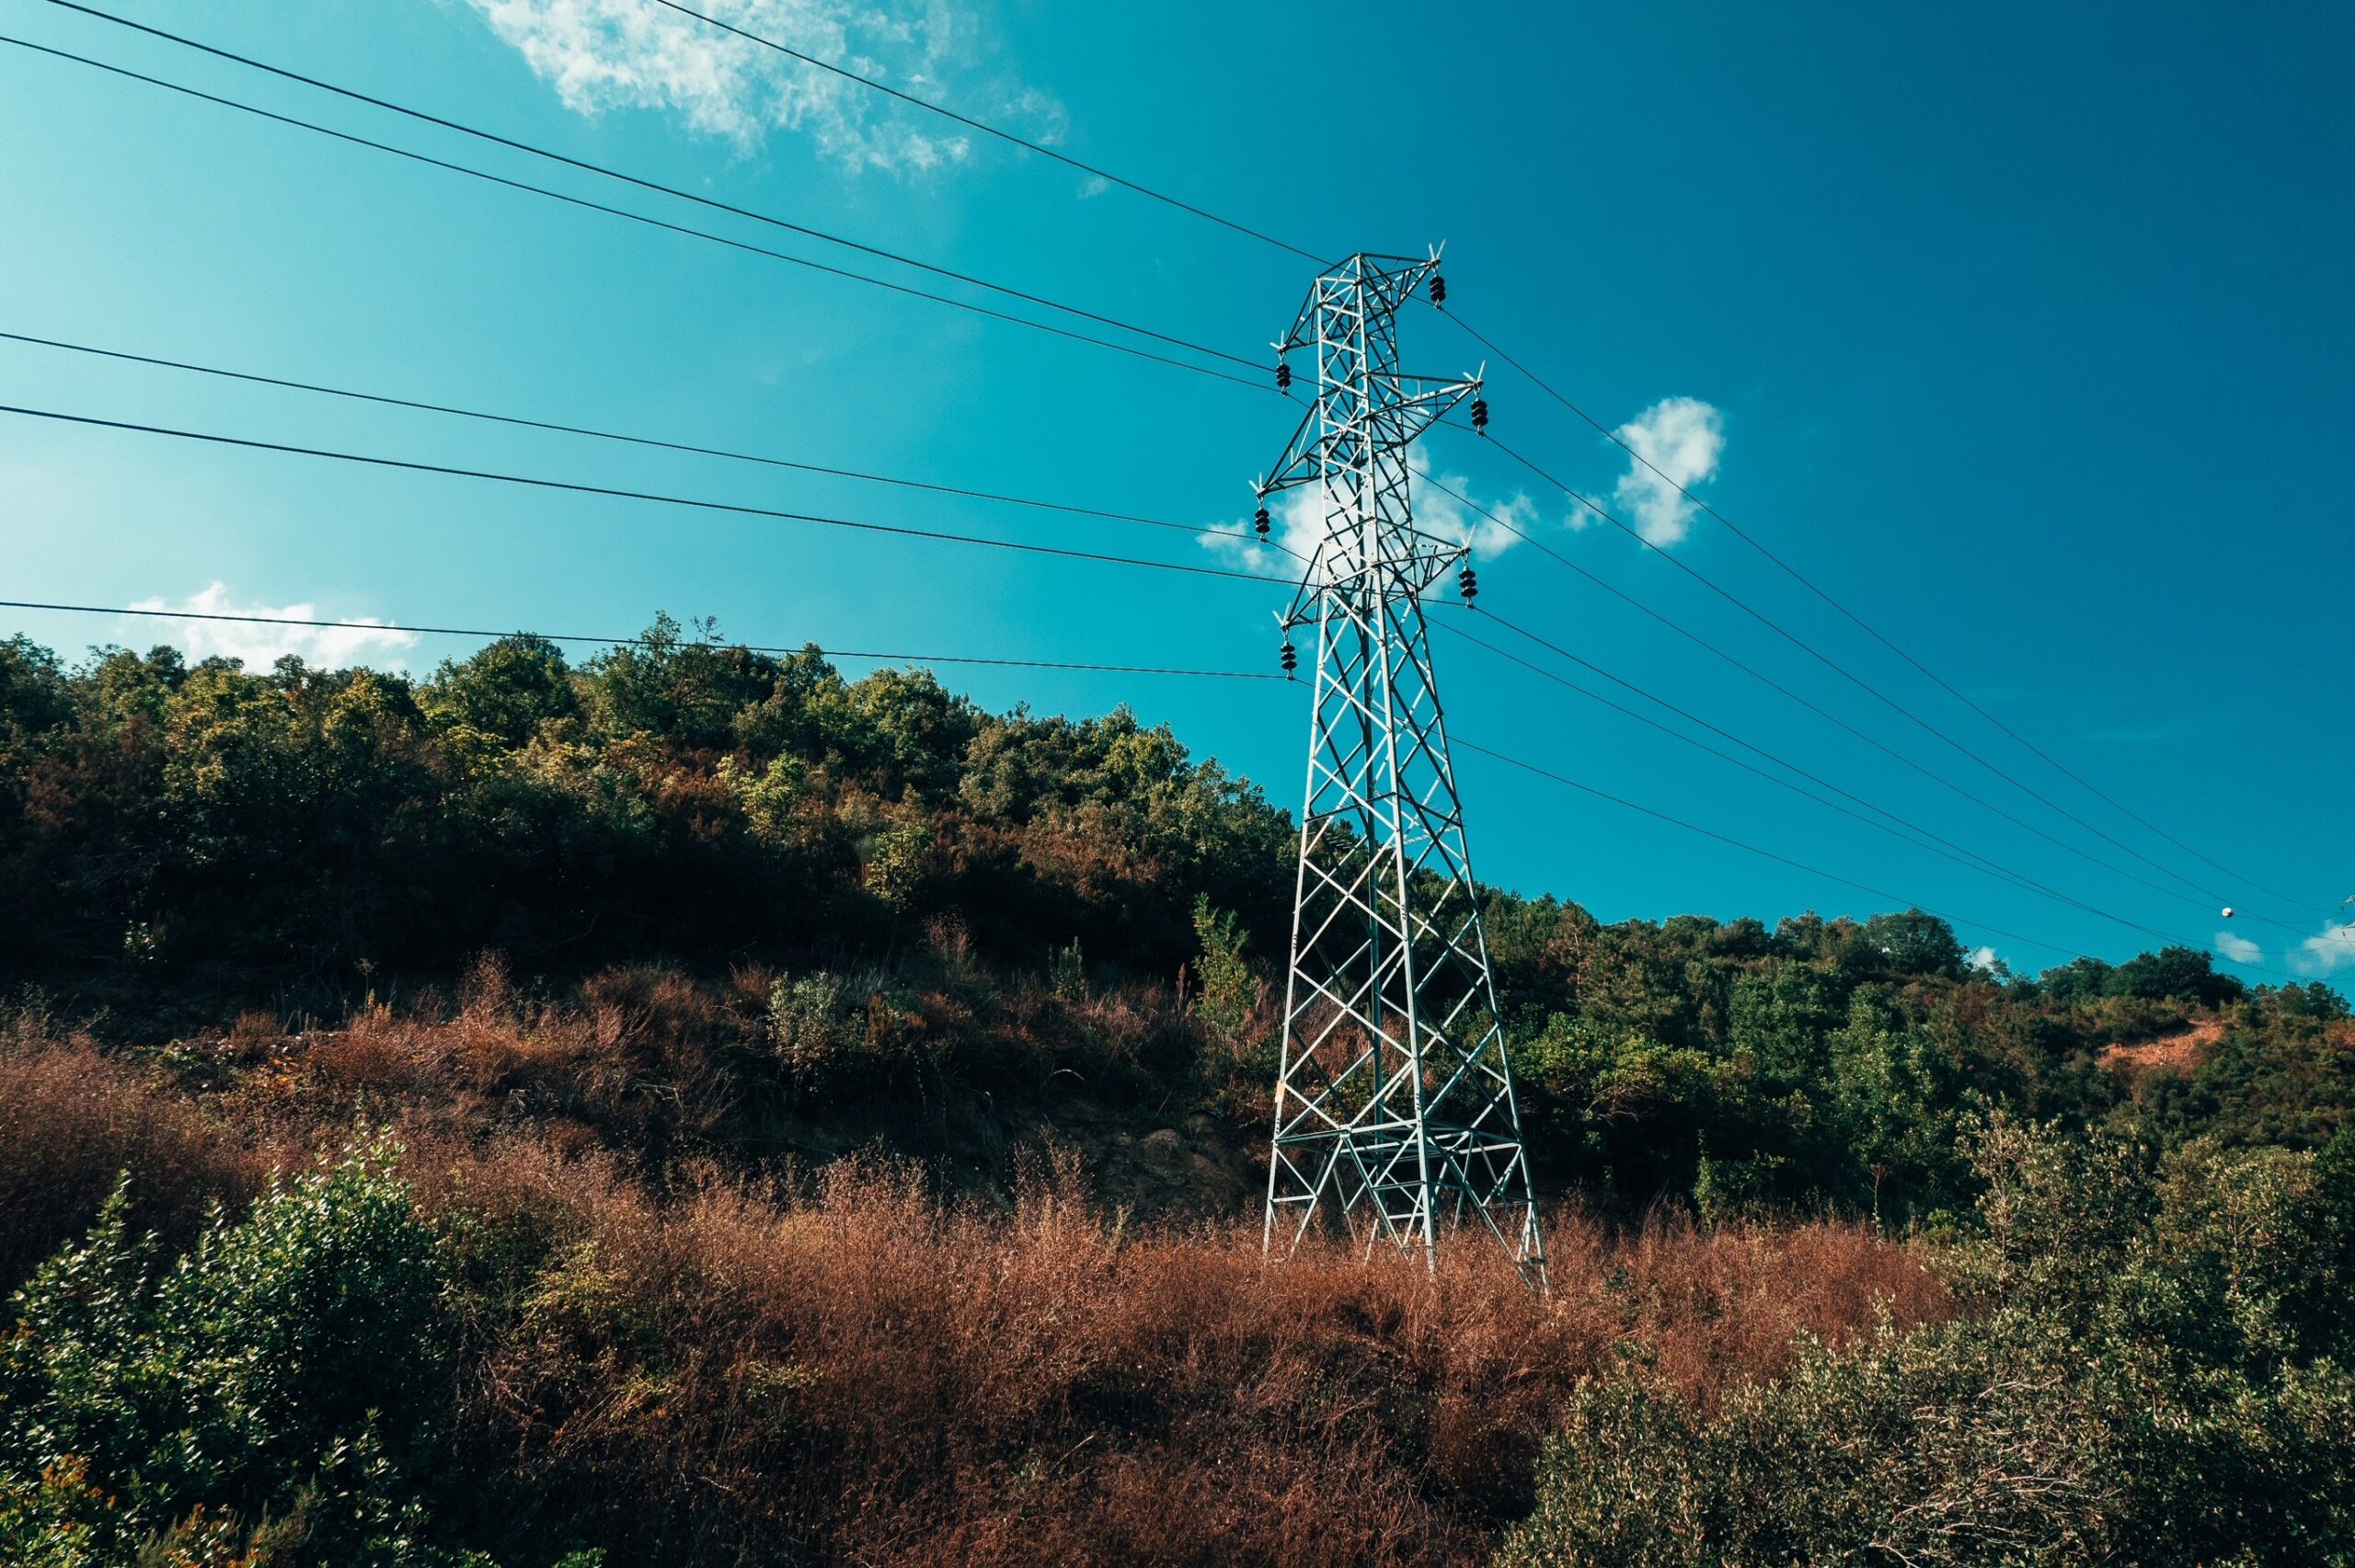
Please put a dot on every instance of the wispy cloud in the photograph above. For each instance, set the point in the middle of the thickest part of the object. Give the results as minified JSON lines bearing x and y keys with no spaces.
{"x":1486,"y":525}
{"x":604,"y":55}
{"x":1297,"y":523}
{"x":259,"y":646}
{"x":1985,"y":960}
{"x":2325,"y":954}
{"x":1682,"y":438}
{"x":2238,"y":948}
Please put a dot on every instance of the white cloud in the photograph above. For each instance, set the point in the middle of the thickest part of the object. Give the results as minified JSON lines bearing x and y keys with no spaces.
{"x":1682,"y":438}
{"x":1297,"y":520}
{"x":259,"y":646}
{"x":2327,"y":955}
{"x":1095,"y":184}
{"x":601,"y":54}
{"x":1296,"y":523}
{"x":1984,"y":958}
{"x":1045,"y":114}
{"x":1437,"y":511}
{"x":2238,"y":948}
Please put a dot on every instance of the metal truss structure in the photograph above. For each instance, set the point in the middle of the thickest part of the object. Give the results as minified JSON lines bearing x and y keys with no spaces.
{"x":1394,"y":1109}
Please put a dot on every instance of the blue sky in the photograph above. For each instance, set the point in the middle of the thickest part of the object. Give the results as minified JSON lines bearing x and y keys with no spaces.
{"x":2021,"y":330}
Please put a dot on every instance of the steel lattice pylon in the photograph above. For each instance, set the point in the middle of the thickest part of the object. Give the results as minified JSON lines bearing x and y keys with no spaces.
{"x":1395,"y":1108}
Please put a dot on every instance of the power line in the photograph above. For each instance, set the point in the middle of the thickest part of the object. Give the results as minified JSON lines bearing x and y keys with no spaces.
{"x":997,"y":288}
{"x":664,"y":224}
{"x":1767,"y":681}
{"x":576,"y":488}
{"x":1984,"y":862}
{"x":637,"y":641}
{"x":1632,"y":602}
{"x":609,"y":172}
{"x":1749,"y":847}
{"x":522,"y":422}
{"x":1904,"y":831}
{"x":1568,"y":782}
{"x":2066,"y":771}
{"x":1867,"y":687}
{"x":989,"y":129}
{"x":994,"y":287}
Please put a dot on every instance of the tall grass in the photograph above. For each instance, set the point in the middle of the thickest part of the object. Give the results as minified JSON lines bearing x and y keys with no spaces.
{"x":72,"y":1120}
{"x":687,"y":1358}
{"x":862,"y":1369}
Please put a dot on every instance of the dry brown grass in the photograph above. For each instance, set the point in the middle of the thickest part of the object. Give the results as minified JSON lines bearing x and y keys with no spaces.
{"x":72,"y":1120}
{"x":2179,"y":1052}
{"x":865,"y":1374}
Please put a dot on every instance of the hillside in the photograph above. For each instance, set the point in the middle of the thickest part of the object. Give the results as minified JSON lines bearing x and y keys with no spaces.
{"x":791,"y":1119}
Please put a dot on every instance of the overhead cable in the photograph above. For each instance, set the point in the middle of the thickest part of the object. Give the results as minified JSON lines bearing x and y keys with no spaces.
{"x":1569,"y":783}
{"x":684,"y":195}
{"x":575,"y":488}
{"x":1868,"y":738}
{"x":1896,"y":826}
{"x":583,"y":203}
{"x":637,"y":641}
{"x":1861,"y":683}
{"x":989,"y":129}
{"x":1612,"y":436}
{"x":523,"y":422}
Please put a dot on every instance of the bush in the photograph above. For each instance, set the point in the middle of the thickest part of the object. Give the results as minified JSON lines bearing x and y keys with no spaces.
{"x":1231,"y":991}
{"x":72,"y":1120}
{"x":276,"y":1392}
{"x":841,"y":1036}
{"x":2149,"y":1376}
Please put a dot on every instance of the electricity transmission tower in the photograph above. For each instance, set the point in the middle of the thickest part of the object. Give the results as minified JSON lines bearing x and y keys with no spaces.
{"x":1394,"y":1109}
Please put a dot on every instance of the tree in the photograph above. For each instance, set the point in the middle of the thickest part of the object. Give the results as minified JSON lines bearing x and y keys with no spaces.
{"x":33,"y":694}
{"x":2185,"y":973}
{"x":1230,"y":990}
{"x":1915,"y":943}
{"x":687,"y":689}
{"x":507,"y":690}
{"x":2145,"y":1372}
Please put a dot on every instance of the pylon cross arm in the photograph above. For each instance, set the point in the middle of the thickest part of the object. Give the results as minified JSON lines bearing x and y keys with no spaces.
{"x":1310,"y":454}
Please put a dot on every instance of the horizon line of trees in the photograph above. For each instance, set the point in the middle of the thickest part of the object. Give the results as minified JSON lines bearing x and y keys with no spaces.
{"x":179,"y":840}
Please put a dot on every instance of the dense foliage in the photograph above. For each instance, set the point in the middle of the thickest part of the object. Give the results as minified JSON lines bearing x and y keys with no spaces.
{"x":1836,"y":1062}
{"x":2153,"y":1367}
{"x":670,"y":796}
{"x":282,"y":1384}
{"x":624,"y":950}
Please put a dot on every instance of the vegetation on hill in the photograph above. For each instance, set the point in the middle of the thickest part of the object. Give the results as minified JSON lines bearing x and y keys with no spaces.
{"x":691,"y":1107}
{"x":503,"y":1345}
{"x":2149,"y":1366}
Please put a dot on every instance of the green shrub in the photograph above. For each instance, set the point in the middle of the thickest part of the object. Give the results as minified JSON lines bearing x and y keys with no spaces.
{"x":841,"y":1036}
{"x":2150,"y":1374}
{"x":277,"y":1392}
{"x":1230,"y":990}
{"x":1067,"y":972}
{"x":809,"y":1022}
{"x":895,"y":862}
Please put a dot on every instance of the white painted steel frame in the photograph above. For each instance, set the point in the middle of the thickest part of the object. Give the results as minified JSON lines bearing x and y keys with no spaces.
{"x":1395,"y":1104}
